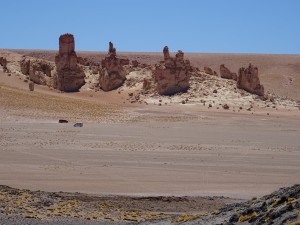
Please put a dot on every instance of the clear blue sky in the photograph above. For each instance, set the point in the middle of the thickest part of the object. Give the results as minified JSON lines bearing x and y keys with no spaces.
{"x":238,"y":26}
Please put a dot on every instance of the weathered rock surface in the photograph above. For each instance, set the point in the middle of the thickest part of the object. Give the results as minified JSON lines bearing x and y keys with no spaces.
{"x":226,"y":73}
{"x":248,"y":80}
{"x":173,"y":74}
{"x":208,"y":70}
{"x":70,"y":76}
{"x":3,"y":63}
{"x":39,"y":71}
{"x":112,"y":74}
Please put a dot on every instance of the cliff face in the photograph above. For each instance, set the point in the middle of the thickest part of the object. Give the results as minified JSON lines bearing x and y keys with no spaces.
{"x":112,"y":74}
{"x":70,"y":77}
{"x":249,"y":81}
{"x":39,"y":71}
{"x":173,"y":74}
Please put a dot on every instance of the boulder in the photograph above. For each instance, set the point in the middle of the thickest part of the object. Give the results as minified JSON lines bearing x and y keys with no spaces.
{"x":173,"y":74}
{"x":226,"y":73}
{"x":112,"y":73}
{"x":208,"y":70}
{"x":31,"y":86}
{"x":70,"y":76}
{"x":248,"y":80}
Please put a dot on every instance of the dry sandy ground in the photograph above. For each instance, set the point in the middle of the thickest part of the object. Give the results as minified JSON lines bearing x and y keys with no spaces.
{"x":235,"y":156}
{"x":142,"y":150}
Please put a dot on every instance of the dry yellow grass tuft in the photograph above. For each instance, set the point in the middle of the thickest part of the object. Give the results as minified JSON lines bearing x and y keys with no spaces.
{"x":36,"y":105}
{"x":244,"y":218}
{"x":295,"y":223}
{"x":186,"y":217}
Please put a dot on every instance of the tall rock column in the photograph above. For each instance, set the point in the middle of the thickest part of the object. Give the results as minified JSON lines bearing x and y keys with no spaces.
{"x":173,"y":74}
{"x":112,"y":74}
{"x":70,"y":77}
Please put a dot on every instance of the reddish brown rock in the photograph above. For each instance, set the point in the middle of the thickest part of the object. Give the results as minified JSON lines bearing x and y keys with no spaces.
{"x":25,"y":66}
{"x":208,"y":70}
{"x":135,"y":63}
{"x":248,"y":80}
{"x":112,"y":74}
{"x":3,"y":63}
{"x":173,"y":74}
{"x":226,"y":73}
{"x":83,"y":61}
{"x":70,"y":77}
{"x":31,"y":86}
{"x":39,"y":71}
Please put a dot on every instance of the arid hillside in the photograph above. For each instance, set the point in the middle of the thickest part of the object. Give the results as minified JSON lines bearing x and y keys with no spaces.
{"x":280,"y":74}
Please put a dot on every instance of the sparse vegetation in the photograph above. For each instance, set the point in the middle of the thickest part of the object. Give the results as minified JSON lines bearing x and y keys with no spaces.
{"x":37,"y":105}
{"x":244,"y":218}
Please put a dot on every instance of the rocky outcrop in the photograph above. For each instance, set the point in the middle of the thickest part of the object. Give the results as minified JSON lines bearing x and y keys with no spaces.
{"x":248,"y":80}
{"x":208,"y":70}
{"x":226,"y":73}
{"x":112,"y":74}
{"x":3,"y":63}
{"x":173,"y":74}
{"x":39,"y":71}
{"x":70,"y":76}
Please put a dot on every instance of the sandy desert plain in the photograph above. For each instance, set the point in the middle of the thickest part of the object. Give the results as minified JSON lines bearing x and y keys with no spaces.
{"x":154,"y":161}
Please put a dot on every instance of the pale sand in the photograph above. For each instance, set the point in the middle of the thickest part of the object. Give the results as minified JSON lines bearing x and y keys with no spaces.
{"x":235,"y":156}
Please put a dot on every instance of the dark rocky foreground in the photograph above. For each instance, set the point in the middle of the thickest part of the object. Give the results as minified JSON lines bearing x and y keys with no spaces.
{"x":37,"y":207}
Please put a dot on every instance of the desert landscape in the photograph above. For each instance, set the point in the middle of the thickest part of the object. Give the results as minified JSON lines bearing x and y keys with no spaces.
{"x":148,"y":138}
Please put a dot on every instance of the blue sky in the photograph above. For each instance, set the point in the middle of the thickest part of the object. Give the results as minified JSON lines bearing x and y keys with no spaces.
{"x":229,"y":26}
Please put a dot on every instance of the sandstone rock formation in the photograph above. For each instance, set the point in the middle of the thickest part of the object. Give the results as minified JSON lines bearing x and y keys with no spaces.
{"x":173,"y":74}
{"x":208,"y":70}
{"x":112,"y":74}
{"x":249,"y":81}
{"x":39,"y":71}
{"x":3,"y":63}
{"x":70,"y":76}
{"x":226,"y":73}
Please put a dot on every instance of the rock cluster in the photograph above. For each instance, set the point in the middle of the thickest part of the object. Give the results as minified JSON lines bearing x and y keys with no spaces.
{"x":173,"y":74}
{"x":280,"y":207}
{"x":70,"y":76}
{"x":39,"y":71}
{"x":3,"y":63}
{"x":248,"y":80}
{"x":112,"y":73}
{"x":226,"y":73}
